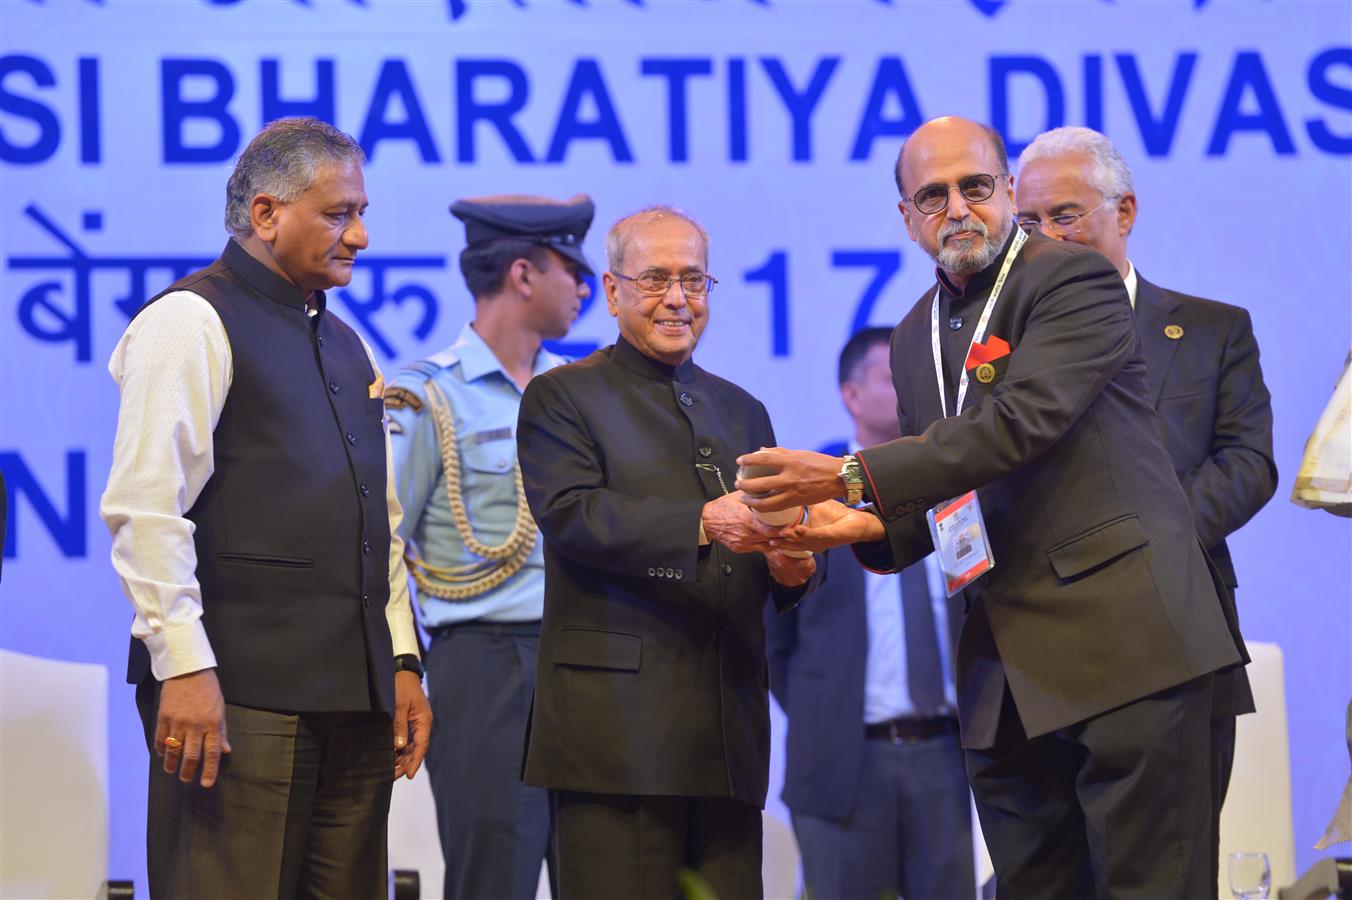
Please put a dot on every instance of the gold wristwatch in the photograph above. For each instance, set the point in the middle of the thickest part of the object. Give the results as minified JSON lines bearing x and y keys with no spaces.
{"x":853,"y":475}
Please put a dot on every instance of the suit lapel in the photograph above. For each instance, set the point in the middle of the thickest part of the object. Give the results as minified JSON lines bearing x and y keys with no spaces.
{"x":1153,"y":307}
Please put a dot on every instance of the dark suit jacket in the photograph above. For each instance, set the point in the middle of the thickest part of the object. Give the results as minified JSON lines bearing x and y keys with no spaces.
{"x":1216,"y":412}
{"x":1101,"y":592}
{"x":818,"y":657}
{"x":1216,"y":415}
{"x":652,"y":675}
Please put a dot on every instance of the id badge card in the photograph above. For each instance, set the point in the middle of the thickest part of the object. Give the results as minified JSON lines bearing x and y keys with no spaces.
{"x":959,"y":534}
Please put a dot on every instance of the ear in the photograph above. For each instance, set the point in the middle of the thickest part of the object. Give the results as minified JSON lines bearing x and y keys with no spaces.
{"x":906,"y":217}
{"x":1126,"y":213}
{"x":611,"y":286}
{"x":849,"y":395}
{"x":264,"y":211}
{"x":519,"y":275}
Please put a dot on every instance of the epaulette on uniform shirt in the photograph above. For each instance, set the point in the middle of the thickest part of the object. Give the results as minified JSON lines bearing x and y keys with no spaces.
{"x":405,"y":389}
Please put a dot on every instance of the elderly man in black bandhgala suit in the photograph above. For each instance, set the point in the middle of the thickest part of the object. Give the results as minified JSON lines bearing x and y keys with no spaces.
{"x":650,"y":723}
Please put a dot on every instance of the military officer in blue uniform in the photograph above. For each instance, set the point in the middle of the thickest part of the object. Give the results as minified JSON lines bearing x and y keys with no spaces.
{"x":472,"y":544}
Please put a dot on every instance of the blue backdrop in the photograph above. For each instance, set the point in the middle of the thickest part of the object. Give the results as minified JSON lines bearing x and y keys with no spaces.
{"x":774,"y":121}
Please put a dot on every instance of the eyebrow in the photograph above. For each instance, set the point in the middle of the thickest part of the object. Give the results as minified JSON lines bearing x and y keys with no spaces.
{"x":1060,"y":208}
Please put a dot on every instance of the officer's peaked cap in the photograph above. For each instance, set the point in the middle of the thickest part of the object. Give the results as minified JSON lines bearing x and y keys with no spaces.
{"x":557,"y":224}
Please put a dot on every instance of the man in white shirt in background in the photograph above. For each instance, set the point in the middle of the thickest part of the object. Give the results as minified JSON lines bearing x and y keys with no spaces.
{"x":874,"y":774}
{"x":254,"y":529}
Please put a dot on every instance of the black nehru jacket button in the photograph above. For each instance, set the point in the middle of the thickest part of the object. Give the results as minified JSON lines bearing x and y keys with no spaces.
{"x":727,"y":568}
{"x":955,"y":323}
{"x":352,"y":439}
{"x":365,"y":489}
{"x":333,"y":386}
{"x":680,"y":573}
{"x":706,"y":452}
{"x":651,"y":572}
{"x":365,"y":545}
{"x":686,"y":399}
{"x":366,"y":600}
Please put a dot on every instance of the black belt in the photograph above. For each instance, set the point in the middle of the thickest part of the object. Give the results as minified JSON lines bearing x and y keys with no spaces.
{"x":907,"y":729}
{"x":483,"y":626}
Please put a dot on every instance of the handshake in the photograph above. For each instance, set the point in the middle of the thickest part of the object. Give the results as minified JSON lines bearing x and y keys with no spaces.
{"x":766,"y":512}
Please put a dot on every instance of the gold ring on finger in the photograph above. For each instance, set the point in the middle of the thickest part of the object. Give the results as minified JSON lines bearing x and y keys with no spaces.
{"x":173,"y":743}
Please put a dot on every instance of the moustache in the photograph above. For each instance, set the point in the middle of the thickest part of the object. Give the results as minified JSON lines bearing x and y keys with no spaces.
{"x":970,"y":223}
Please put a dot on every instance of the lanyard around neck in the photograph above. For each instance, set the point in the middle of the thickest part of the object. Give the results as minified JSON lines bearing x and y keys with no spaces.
{"x":1020,"y":236}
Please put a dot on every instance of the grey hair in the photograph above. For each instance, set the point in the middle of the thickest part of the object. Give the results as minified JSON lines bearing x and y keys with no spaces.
{"x":617,"y":239}
{"x":281,"y":162}
{"x":1108,"y":173}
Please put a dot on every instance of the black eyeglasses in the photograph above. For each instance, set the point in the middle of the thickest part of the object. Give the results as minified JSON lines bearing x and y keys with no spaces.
{"x":1064,"y":224}
{"x":933,"y":198}
{"x":656,"y":284}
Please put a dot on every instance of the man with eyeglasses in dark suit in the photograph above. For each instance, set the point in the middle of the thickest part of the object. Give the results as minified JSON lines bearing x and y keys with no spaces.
{"x":1086,"y":658}
{"x":1201,"y":366}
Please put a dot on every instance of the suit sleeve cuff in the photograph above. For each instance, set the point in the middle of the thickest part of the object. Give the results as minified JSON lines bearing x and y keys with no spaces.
{"x":870,"y":487}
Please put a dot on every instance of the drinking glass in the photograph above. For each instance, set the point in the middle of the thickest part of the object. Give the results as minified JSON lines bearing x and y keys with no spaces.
{"x":1250,"y":877}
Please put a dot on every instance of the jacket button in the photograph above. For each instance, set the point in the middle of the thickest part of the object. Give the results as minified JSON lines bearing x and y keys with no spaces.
{"x":671,"y":573}
{"x":706,"y":452}
{"x":333,"y":386}
{"x":366,"y":600}
{"x":651,"y":571}
{"x":352,"y":439}
{"x":365,"y":489}
{"x":679,"y":574}
{"x":902,"y":510}
{"x":686,"y":399}
{"x":727,"y":568}
{"x":365,"y":545}
{"x":321,"y":340}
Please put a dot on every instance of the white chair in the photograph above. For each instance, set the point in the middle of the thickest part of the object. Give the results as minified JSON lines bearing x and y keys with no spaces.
{"x":779,"y":859}
{"x":1257,"y":813}
{"x":53,"y":777}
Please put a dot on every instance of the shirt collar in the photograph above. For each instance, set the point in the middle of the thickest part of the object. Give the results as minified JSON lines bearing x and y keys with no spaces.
{"x":1130,"y":282}
{"x":979,"y":284}
{"x":265,"y":281}
{"x":477,"y":359}
{"x":628,"y":357}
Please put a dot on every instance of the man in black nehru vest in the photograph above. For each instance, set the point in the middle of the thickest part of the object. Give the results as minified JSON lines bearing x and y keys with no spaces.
{"x":253,"y":526}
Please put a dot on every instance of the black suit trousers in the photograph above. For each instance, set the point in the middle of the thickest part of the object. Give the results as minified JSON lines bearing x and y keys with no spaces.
{"x":623,"y":845}
{"x":1118,"y":806}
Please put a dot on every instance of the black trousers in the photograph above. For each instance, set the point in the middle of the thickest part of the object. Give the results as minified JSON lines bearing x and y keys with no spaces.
{"x":299,"y":809}
{"x":909,"y":830}
{"x":1222,"y":764}
{"x":612,"y":846}
{"x":1118,"y":806}
{"x":494,"y":830}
